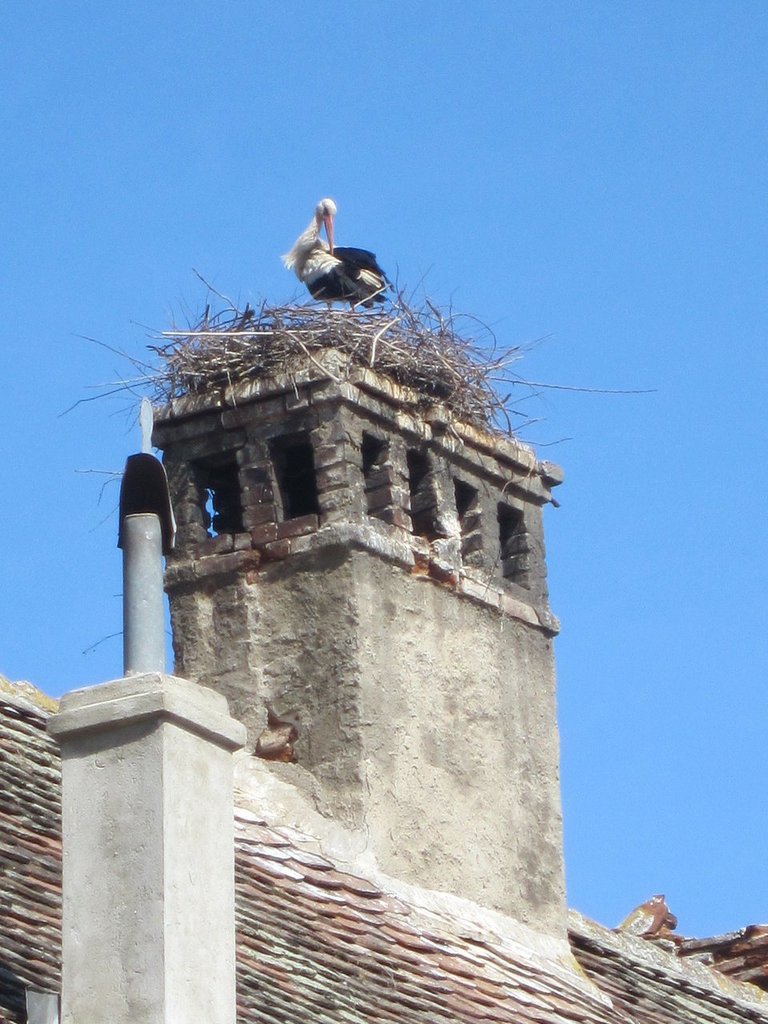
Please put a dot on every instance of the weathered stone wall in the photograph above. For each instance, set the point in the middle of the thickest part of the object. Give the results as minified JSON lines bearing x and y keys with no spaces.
{"x":369,"y":580}
{"x":428,"y":722}
{"x":460,"y":745}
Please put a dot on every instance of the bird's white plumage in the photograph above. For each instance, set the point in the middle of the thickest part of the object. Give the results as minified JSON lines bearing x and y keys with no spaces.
{"x":309,"y":242}
{"x":317,"y":263}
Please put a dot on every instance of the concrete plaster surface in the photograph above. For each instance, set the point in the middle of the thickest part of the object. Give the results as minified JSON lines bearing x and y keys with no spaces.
{"x":148,"y":930}
{"x":426,"y":719}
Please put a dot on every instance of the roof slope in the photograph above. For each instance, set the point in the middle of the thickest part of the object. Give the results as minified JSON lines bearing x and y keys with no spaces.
{"x":653,"y":984}
{"x":742,"y":954}
{"x":317,"y":944}
{"x":30,"y":856}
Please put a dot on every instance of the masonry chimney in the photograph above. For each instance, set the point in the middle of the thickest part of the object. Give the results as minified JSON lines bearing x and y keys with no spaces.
{"x":353,"y":562}
{"x":148,"y":933}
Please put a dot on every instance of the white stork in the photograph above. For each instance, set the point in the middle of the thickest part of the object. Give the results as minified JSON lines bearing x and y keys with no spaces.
{"x":335,"y":273}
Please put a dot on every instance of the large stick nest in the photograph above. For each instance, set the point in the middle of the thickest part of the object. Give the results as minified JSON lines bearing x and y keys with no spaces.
{"x":424,"y":349}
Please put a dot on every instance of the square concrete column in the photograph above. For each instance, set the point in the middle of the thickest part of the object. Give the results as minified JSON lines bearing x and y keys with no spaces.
{"x":148,"y":917}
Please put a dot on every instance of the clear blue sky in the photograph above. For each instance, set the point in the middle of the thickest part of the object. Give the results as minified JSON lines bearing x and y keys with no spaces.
{"x":590,"y":171}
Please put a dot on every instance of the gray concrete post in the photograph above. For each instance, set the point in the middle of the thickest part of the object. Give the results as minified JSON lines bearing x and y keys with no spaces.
{"x":148,"y":917}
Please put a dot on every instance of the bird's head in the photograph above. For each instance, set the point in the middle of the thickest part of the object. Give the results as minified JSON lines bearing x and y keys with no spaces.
{"x":325,"y":211}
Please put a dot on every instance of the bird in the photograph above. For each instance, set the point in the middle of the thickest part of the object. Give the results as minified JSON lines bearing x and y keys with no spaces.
{"x":335,"y":273}
{"x":652,"y":918}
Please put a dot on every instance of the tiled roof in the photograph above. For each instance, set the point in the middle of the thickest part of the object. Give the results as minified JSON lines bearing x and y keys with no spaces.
{"x":742,"y":954}
{"x":30,"y":856}
{"x":318,"y":944}
{"x":649,"y":981}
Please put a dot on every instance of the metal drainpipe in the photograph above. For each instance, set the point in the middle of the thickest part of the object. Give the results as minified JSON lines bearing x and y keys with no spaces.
{"x":143,"y":613}
{"x":147,"y":532}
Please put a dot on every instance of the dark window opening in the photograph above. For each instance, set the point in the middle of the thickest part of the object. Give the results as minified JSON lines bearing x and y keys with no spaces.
{"x":374,"y":453}
{"x":423,"y":501}
{"x":218,"y":484}
{"x":514,"y":549}
{"x":468,"y":511}
{"x":466,"y":501}
{"x":294,"y":465}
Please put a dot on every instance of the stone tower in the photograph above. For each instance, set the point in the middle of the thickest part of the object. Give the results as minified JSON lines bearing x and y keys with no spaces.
{"x":354,"y":563}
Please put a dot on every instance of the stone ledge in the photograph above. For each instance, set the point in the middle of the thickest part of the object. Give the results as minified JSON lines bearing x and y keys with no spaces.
{"x":360,"y":536}
{"x":186,"y":570}
{"x":414,"y":554}
{"x":145,"y":697}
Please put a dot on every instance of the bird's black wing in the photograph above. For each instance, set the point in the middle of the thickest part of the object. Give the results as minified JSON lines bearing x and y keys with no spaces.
{"x":361,"y":258}
{"x":355,"y":277}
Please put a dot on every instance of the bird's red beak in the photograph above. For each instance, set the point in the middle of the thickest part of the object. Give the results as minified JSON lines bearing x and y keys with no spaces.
{"x":328,"y":221}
